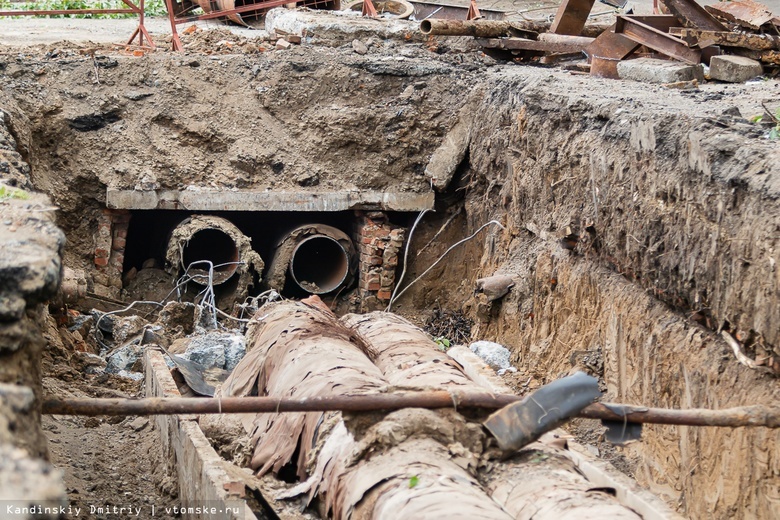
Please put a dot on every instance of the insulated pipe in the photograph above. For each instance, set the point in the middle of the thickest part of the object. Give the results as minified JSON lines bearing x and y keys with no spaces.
{"x":319,"y":264}
{"x":317,"y":258}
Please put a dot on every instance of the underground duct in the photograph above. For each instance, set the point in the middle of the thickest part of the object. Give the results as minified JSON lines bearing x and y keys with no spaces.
{"x":204,"y":243}
{"x":314,"y":258}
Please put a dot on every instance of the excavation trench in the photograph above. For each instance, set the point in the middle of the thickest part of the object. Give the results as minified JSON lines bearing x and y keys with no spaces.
{"x":634,"y":228}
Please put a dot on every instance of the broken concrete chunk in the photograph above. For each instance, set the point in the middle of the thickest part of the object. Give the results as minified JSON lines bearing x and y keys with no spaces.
{"x":734,"y":69}
{"x":494,"y":354}
{"x":122,"y":359}
{"x":452,"y":151}
{"x":651,"y":70}
{"x":495,"y":287}
{"x":283,"y":45}
{"x":359,"y":47}
{"x":216,"y":349}
{"x":127,"y":327}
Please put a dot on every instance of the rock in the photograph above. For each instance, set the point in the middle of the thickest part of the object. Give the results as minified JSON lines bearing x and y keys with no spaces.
{"x":651,"y":70}
{"x":495,"y":287}
{"x":282,"y":45}
{"x":734,"y":69}
{"x":215,"y":349}
{"x":139,"y":423}
{"x":359,"y":47}
{"x":495,"y":355}
{"x":127,"y":327}
{"x":134,"y":95}
{"x":123,"y":358}
{"x":90,"y":363}
{"x":178,"y":319}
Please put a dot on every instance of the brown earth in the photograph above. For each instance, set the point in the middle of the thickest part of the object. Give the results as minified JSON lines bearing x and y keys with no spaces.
{"x":638,"y":221}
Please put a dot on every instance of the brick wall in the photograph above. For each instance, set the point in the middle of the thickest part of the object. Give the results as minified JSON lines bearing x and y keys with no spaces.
{"x":110,"y":240}
{"x":379,"y":245}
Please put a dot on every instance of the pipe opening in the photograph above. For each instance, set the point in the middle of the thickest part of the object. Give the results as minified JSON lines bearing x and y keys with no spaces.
{"x":215,"y":246}
{"x":319,"y":264}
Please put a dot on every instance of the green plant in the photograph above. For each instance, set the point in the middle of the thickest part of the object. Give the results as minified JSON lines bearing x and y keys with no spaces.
{"x":414,"y":481}
{"x":443,"y":343}
{"x":774,"y":132}
{"x":6,"y":192}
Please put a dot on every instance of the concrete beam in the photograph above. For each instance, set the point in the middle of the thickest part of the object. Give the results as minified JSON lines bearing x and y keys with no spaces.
{"x":224,"y":200}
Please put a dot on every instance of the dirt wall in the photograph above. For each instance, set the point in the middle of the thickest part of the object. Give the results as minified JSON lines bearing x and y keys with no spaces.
{"x":638,"y":228}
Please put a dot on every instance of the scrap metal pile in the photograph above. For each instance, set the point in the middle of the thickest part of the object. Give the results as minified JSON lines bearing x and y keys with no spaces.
{"x":733,"y":38}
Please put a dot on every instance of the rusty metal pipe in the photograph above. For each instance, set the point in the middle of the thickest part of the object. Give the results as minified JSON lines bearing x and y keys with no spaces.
{"x":743,"y":416}
{"x":317,"y":258}
{"x":319,"y":264}
{"x":205,"y":238}
{"x":478,"y":28}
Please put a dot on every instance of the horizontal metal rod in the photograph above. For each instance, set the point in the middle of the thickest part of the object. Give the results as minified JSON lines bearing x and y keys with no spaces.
{"x":732,"y":417}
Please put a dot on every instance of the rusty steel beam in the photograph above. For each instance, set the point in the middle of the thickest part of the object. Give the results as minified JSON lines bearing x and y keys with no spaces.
{"x":521,"y":44}
{"x":632,"y":27}
{"x":693,"y":16}
{"x":743,"y":12}
{"x":756,"y":42}
{"x":571,"y":17}
{"x":756,"y":415}
{"x":606,"y":51}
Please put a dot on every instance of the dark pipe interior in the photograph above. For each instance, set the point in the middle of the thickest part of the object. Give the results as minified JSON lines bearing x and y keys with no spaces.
{"x":217,"y":247}
{"x":319,"y":264}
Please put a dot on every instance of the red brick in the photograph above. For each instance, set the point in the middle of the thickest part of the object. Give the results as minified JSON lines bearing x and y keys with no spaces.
{"x":118,"y":244}
{"x":384,"y":295}
{"x":101,"y":253}
{"x":101,"y":262}
{"x":373,"y":286}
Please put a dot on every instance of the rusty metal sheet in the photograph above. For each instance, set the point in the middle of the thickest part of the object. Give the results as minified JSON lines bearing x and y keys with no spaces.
{"x":611,"y":46}
{"x":637,"y":29}
{"x":756,"y":42}
{"x":693,"y":15}
{"x":745,"y":13}
{"x":604,"y":67}
{"x":519,"y":424}
{"x":571,"y":17}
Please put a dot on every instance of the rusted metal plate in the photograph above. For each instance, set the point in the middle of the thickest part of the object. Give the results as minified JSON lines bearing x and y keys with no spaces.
{"x":636,"y":29}
{"x":745,"y":13}
{"x":604,"y":67}
{"x":511,"y":44}
{"x":571,"y":17}
{"x":610,"y":46}
{"x":756,"y":42}
{"x":693,"y":15}
{"x":424,"y":11}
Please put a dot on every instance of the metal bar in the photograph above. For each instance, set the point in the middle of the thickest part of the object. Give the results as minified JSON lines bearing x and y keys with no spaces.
{"x":693,"y":15}
{"x":757,"y":415}
{"x":424,"y":11}
{"x":511,"y":44}
{"x":571,"y":17}
{"x":756,"y":42}
{"x":657,"y":40}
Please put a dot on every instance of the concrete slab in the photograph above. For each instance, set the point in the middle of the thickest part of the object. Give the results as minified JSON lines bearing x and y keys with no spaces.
{"x":734,"y":69}
{"x":243,"y":200}
{"x":651,"y":70}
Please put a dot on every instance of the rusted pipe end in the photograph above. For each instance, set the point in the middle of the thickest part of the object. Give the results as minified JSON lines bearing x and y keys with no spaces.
{"x":211,"y":239}
{"x":425,"y":27}
{"x":319,"y":264}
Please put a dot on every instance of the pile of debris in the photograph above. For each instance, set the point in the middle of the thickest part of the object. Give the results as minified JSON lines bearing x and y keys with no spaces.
{"x":734,"y":39}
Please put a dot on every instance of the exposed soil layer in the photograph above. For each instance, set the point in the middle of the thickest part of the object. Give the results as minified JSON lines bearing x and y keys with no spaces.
{"x":636,"y":221}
